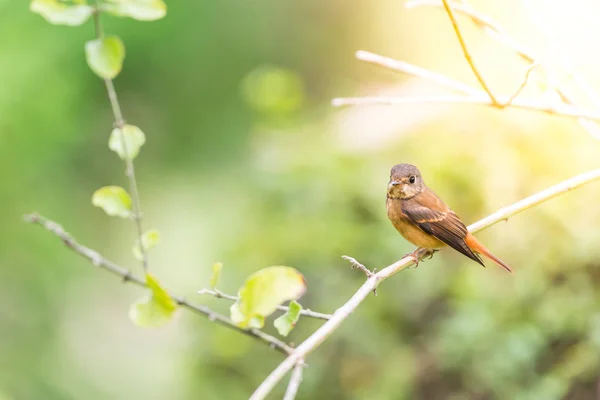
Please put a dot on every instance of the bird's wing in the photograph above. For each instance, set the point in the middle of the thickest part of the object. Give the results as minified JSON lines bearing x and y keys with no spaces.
{"x":443,"y":224}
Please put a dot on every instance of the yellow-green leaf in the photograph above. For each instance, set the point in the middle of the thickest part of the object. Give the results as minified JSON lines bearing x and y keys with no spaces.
{"x":105,"y":56}
{"x":114,"y":200}
{"x":133,"y":137}
{"x":287,"y":321}
{"x":149,"y":240}
{"x":263,"y":291}
{"x":59,"y":13}
{"x":216,"y":273}
{"x":155,"y":309}
{"x":142,"y":10}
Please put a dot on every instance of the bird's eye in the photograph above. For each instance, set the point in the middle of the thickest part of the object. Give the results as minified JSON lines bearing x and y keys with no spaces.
{"x":412,"y":179}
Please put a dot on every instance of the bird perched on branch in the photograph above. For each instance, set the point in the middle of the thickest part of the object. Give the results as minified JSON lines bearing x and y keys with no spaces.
{"x":425,"y":220}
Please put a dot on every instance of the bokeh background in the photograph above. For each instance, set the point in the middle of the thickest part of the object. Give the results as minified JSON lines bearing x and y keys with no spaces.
{"x":247,"y":163}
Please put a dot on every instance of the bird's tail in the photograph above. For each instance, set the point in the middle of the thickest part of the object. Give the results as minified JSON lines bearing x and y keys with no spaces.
{"x":476,"y":246}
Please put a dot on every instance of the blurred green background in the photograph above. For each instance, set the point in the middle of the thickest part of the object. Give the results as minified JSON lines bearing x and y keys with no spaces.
{"x":247,"y":163}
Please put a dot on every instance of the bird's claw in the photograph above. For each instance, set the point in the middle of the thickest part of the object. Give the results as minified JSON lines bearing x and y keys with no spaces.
{"x":419,"y":254}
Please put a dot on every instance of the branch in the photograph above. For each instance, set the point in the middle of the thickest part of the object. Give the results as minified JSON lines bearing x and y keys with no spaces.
{"x":419,"y":72}
{"x":129,"y":167}
{"x":494,"y":30}
{"x":99,"y":261}
{"x":564,"y":110}
{"x":321,"y":334}
{"x":306,"y":312}
{"x":466,"y":52}
{"x":295,"y":380}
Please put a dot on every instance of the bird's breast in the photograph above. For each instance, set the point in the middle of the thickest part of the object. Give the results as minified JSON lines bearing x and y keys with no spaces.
{"x":408,"y":229}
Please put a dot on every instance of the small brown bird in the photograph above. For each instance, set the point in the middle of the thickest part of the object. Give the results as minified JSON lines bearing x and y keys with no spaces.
{"x":425,"y":221}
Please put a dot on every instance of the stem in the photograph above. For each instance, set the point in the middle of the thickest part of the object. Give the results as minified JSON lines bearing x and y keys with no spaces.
{"x":99,"y":261}
{"x":129,"y":167}
{"x":321,"y":334}
{"x":306,"y":312}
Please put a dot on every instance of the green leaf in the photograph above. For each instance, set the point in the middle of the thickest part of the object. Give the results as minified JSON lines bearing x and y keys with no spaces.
{"x":263,"y":291}
{"x":59,"y":13}
{"x":274,"y":90}
{"x":216,"y":273}
{"x":155,"y":309}
{"x":134,"y":140}
{"x":114,"y":200}
{"x":149,"y":240}
{"x":105,"y":56}
{"x":287,"y":321}
{"x":142,"y":10}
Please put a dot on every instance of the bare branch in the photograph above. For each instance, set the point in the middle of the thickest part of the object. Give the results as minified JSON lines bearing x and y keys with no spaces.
{"x":99,"y":261}
{"x":495,"y":31}
{"x":466,"y":52}
{"x":313,"y":341}
{"x":419,"y":72}
{"x":306,"y":312}
{"x":295,"y":380}
{"x":129,"y":167}
{"x":564,"y":110}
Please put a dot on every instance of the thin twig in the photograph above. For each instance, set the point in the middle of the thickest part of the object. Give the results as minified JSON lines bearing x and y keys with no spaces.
{"x":483,"y":22}
{"x":306,"y":312}
{"x":466,"y":52}
{"x":129,"y":167}
{"x":99,"y":261}
{"x":522,"y":86}
{"x":564,"y":110}
{"x":328,"y":328}
{"x":356,"y":264}
{"x":295,"y":380}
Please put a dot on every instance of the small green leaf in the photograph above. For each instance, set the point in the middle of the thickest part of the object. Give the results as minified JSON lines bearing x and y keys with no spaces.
{"x":142,"y":10}
{"x":263,"y":291}
{"x":287,"y":321}
{"x":216,"y":273}
{"x":59,"y":13}
{"x":105,"y":56}
{"x":134,"y":139}
{"x":149,"y":240}
{"x":155,"y":309}
{"x":114,"y":200}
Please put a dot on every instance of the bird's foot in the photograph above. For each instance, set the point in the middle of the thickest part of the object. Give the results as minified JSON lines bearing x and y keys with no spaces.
{"x":419,"y":254}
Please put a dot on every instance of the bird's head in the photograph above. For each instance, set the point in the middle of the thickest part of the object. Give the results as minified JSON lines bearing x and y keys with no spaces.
{"x":405,"y":182}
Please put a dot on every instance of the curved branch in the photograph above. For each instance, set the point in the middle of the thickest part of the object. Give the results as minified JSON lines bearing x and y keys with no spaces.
{"x":99,"y":261}
{"x":119,"y":122}
{"x":313,"y":341}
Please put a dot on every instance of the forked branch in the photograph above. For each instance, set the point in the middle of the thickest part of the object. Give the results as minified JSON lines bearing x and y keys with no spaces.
{"x":99,"y":261}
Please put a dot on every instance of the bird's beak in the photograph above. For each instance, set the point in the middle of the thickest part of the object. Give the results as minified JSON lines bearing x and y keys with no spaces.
{"x":392,"y":184}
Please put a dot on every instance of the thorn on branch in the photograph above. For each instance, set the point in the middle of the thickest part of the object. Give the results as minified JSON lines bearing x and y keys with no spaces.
{"x":356,"y":264}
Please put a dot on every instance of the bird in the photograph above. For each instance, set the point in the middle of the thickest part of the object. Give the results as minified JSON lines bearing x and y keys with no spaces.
{"x":426,"y":221}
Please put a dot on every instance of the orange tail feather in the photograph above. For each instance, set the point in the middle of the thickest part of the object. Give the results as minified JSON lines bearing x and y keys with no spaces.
{"x":476,"y":246}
